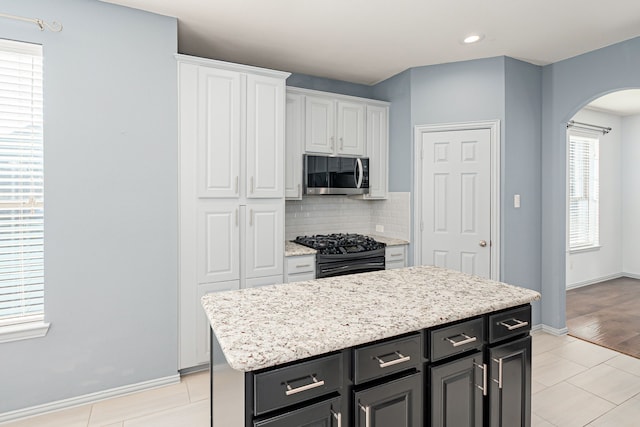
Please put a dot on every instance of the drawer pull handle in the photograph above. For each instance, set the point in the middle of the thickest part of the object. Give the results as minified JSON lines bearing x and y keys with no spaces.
{"x":303,"y":265}
{"x":400,"y":359}
{"x":367,"y":414}
{"x":467,"y":339}
{"x":516,"y":325}
{"x":337,"y":416}
{"x":396,"y":255}
{"x":306,"y":387}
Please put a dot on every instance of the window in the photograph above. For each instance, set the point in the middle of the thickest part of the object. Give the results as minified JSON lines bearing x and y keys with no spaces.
{"x":21,"y":192}
{"x":583,"y":191}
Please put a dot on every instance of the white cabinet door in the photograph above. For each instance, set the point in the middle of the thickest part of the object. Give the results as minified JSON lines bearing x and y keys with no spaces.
{"x":351,"y":129}
{"x":294,"y":138}
{"x":264,"y":281}
{"x":218,"y":237}
{"x":319,"y":125}
{"x":265,"y":137}
{"x":218,"y":137}
{"x":264,"y":246}
{"x":202,"y":335}
{"x":378,"y":150}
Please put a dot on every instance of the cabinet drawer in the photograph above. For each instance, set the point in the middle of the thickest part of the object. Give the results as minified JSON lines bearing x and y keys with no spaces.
{"x":377,"y":360}
{"x":394,"y":253}
{"x":509,"y":323}
{"x":326,"y":413}
{"x":301,"y":264}
{"x":449,"y":340}
{"x":280,"y":387}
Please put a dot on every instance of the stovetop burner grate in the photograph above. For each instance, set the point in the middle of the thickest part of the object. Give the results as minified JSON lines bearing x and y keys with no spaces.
{"x":339,"y":243}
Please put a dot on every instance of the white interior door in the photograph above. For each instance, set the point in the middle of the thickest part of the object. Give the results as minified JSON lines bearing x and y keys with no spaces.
{"x":456,"y":200}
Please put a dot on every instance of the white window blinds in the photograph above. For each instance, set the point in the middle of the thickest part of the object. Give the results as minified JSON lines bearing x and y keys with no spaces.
{"x":583,"y":191}
{"x":21,"y":184}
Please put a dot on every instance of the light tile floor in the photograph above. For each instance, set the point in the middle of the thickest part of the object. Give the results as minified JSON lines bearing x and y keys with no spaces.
{"x":575,"y":383}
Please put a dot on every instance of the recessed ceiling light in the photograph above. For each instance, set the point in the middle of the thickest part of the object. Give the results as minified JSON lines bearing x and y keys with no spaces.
{"x":472,"y":38}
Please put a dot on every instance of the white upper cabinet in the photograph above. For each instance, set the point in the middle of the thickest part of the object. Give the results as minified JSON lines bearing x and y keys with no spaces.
{"x":218,"y":134}
{"x":264,"y":227}
{"x":378,"y":150}
{"x":339,"y":125}
{"x":320,"y":125}
{"x":351,"y":129}
{"x":265,"y":137}
{"x":334,"y":127}
{"x":294,"y":140}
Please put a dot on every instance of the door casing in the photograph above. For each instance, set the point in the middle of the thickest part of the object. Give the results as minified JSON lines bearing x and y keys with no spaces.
{"x":494,"y":127}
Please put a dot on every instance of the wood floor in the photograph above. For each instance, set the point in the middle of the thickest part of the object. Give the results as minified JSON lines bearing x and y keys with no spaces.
{"x":607,"y":314}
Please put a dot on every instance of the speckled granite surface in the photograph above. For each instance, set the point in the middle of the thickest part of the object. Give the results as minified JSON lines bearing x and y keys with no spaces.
{"x":294,"y":249}
{"x":389,"y":241}
{"x":262,"y":327}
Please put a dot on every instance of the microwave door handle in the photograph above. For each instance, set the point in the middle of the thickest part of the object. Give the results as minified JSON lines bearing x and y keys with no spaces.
{"x":360,"y":170}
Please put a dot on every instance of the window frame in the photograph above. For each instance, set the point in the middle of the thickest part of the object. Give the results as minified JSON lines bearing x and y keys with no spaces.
{"x":26,"y":325}
{"x":592,"y":241}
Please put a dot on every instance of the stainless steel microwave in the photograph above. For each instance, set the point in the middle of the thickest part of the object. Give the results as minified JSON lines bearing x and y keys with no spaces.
{"x":336,"y":175}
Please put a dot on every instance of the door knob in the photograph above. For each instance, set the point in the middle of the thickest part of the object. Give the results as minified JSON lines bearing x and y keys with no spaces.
{"x":483,"y":243}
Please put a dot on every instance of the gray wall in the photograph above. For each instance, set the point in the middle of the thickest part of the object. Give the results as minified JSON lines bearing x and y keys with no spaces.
{"x":330,"y":85}
{"x":521,"y":174}
{"x":567,"y":86}
{"x":110,"y":203}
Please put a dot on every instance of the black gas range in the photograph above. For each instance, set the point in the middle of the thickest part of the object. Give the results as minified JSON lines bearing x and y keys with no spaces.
{"x":340,"y":254}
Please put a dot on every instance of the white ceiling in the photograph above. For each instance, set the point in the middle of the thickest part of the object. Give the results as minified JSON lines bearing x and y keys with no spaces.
{"x":622,"y":103}
{"x":367,"y":41}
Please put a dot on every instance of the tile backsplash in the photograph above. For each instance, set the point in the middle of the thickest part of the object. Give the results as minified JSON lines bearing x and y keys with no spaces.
{"x":341,"y":214}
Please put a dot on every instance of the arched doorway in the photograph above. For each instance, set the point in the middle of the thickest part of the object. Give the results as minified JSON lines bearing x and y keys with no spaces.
{"x":602,"y":262}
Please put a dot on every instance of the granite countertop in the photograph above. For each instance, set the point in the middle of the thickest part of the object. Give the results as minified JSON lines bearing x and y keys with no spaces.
{"x":294,"y":249}
{"x":389,"y":241}
{"x":263,"y":327}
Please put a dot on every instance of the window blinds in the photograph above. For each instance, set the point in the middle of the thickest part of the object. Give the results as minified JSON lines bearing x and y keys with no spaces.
{"x":21,"y":184}
{"x":583,"y":192}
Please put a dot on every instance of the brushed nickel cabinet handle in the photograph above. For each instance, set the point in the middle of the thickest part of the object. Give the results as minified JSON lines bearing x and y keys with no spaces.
{"x":341,"y":143}
{"x":467,"y":340}
{"x":252,"y":186}
{"x":299,"y":190}
{"x":237,"y":184}
{"x":303,"y":265}
{"x":499,"y":380}
{"x":484,"y":377}
{"x":367,"y":414}
{"x":251,"y":217}
{"x":314,"y":384}
{"x":400,"y":359}
{"x":516,"y":325}
{"x":337,"y":416}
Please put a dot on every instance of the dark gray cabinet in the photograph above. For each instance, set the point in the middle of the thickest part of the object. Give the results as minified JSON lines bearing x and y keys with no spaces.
{"x":457,"y":392}
{"x":510,"y":385}
{"x":473,"y":372}
{"x":396,"y":403}
{"x":323,"y":414}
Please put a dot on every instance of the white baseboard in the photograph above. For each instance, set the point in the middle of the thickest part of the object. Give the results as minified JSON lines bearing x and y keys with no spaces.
{"x":549,"y":329}
{"x":631,"y":275}
{"x":597,"y":280}
{"x":87,"y":398}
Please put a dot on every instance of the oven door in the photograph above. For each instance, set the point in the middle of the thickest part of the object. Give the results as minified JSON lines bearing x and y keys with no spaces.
{"x":340,"y":265}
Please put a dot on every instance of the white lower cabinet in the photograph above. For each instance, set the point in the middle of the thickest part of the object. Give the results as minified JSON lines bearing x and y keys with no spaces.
{"x":202,"y":341}
{"x":395,"y":257}
{"x":300,"y":268}
{"x":263,"y":281}
{"x":218,"y":241}
{"x":264,"y":242}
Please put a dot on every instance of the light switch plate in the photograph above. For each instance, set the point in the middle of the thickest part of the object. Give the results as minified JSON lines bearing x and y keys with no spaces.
{"x":380,"y":228}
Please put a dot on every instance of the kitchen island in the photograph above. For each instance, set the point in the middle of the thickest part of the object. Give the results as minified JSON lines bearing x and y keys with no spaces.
{"x":327,"y":325}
